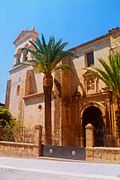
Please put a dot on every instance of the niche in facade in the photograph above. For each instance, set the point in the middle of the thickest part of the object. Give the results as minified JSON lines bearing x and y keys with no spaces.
{"x":90,"y":82}
{"x":30,"y":86}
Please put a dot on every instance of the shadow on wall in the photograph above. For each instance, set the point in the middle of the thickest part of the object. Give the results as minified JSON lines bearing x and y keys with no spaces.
{"x":75,"y":81}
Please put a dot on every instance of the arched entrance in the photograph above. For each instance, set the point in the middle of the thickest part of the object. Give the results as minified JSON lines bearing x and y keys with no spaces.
{"x":93,"y":115}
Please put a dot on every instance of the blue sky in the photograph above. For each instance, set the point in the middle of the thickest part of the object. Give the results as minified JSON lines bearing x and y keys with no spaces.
{"x":74,"y":21}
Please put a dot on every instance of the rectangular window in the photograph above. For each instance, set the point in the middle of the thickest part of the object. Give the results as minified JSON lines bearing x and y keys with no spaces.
{"x":18,"y":90}
{"x":89,"y":59}
{"x":8,"y":92}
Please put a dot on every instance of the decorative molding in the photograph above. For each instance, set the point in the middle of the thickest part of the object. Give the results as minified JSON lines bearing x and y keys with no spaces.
{"x":90,"y":82}
{"x":23,"y":36}
{"x":33,"y":96}
{"x":18,"y":67}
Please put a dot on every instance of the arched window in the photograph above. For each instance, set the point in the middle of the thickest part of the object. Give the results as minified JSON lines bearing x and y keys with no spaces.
{"x":18,"y":56}
{"x":25,"y":53}
{"x":30,"y":87}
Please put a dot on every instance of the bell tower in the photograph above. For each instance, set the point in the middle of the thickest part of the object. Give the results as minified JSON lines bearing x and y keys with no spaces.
{"x":17,"y":75}
{"x":22,"y":41}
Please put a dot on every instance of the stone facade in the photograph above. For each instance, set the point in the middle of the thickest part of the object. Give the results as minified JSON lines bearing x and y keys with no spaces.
{"x":77,"y":99}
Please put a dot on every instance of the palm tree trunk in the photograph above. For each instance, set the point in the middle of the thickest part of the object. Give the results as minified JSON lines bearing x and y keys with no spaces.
{"x":47,"y":87}
{"x":118,"y":120}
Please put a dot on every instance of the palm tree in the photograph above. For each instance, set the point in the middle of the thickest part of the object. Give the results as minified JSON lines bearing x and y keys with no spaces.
{"x":110,"y":75}
{"x":46,"y":59}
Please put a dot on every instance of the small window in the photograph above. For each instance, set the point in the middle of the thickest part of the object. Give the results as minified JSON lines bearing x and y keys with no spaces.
{"x":89,"y":59}
{"x":25,"y":53}
{"x":18,"y":90}
{"x":18,"y":56}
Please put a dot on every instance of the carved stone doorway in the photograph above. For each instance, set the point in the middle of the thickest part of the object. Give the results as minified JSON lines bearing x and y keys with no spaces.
{"x":93,"y":115}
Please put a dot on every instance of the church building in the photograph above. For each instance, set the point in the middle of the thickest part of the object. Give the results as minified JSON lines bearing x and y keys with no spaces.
{"x":77,"y":100}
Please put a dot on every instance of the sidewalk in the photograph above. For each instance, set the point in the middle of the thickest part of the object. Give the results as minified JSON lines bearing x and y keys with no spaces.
{"x":41,"y":169}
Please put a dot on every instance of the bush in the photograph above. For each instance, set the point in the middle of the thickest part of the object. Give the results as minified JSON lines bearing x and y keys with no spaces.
{"x":7,"y":122}
{"x":13,"y":130}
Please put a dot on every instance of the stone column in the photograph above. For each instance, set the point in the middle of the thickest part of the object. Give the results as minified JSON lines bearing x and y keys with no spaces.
{"x":89,"y":130}
{"x":37,"y":140}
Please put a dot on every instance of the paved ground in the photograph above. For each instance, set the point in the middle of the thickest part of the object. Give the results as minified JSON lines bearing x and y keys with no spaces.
{"x":31,"y":169}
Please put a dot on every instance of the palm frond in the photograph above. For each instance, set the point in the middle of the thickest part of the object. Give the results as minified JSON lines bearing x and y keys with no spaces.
{"x":61,"y":57}
{"x":64,"y":67}
{"x":40,"y":45}
{"x":35,"y":46}
{"x":103,"y":76}
{"x":26,"y":63}
{"x":43,"y":40}
{"x":38,"y":56}
{"x":110,"y":74}
{"x":48,"y":55}
{"x":38,"y":68}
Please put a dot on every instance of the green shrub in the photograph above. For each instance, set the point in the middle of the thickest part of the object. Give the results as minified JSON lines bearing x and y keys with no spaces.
{"x":7,"y":123}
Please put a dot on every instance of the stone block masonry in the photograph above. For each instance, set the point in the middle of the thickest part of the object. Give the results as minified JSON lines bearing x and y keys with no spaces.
{"x":29,"y":150}
{"x":103,"y":154}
